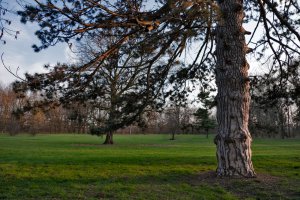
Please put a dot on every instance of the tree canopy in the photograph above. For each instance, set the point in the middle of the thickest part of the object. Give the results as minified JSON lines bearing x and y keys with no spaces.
{"x":163,"y":30}
{"x":143,"y":48}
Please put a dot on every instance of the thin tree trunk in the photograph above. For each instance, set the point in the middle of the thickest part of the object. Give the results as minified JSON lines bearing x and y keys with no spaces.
{"x":233,"y":99}
{"x":288,"y":122}
{"x":109,"y":138}
{"x":173,"y":135}
{"x":281,"y":117}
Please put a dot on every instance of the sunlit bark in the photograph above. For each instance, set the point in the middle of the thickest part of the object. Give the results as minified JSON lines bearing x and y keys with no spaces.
{"x":233,"y":139}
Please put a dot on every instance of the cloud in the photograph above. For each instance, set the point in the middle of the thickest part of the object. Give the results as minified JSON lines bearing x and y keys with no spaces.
{"x":70,"y":55}
{"x":22,"y":57}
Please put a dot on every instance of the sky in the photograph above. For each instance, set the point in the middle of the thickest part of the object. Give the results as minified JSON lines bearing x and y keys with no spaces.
{"x":18,"y":53}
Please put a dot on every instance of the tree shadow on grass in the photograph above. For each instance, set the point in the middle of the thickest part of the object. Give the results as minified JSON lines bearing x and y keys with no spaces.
{"x":166,"y":185}
{"x":264,"y":186}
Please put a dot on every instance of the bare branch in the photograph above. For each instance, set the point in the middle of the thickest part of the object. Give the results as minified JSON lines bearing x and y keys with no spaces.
{"x":8,"y":68}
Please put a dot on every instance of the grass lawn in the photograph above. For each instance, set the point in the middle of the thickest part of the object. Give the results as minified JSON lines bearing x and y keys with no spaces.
{"x":140,"y":167}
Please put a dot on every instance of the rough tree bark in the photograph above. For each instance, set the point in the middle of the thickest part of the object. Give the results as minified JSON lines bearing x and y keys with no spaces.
{"x":233,"y":99}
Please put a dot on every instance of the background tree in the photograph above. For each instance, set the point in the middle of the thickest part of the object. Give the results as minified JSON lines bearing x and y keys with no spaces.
{"x":277,"y":94}
{"x":173,"y":120}
{"x":204,"y":120}
{"x":78,"y":115}
{"x":116,"y":85}
{"x":8,"y":103}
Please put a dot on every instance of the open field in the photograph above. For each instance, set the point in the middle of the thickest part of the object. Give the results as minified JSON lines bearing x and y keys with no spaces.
{"x":140,"y":167}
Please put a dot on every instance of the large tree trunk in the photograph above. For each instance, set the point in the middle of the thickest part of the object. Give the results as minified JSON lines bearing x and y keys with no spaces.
{"x":109,"y":138}
{"x":233,"y":139}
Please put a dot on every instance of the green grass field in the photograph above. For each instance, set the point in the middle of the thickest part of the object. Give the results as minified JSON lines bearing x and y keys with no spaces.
{"x":140,"y":167}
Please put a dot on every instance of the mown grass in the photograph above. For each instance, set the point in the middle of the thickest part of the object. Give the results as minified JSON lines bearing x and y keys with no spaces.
{"x":139,"y":167}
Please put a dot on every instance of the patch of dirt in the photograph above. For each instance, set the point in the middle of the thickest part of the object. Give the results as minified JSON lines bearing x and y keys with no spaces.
{"x":94,"y":193}
{"x":210,"y":177}
{"x":262,"y":187}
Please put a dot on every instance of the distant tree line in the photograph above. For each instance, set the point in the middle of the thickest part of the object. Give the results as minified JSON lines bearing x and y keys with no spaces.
{"x":78,"y":118}
{"x":280,"y":120}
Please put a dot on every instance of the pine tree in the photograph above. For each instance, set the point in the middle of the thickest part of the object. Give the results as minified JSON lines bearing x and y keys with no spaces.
{"x":160,"y":34}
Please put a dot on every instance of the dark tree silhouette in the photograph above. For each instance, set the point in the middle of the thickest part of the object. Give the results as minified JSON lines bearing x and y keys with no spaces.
{"x":203,"y":118}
